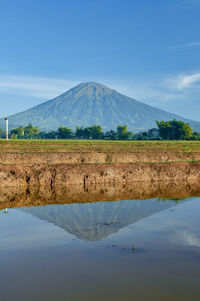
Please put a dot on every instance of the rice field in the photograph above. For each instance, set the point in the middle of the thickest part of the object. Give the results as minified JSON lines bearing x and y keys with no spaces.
{"x":98,"y":145}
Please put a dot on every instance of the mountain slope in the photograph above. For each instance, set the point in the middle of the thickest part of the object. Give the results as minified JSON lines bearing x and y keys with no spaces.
{"x":93,"y":103}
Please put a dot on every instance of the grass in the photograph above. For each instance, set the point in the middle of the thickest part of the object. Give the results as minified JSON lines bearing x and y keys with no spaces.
{"x":98,"y":145}
{"x":153,"y":151}
{"x":176,"y":151}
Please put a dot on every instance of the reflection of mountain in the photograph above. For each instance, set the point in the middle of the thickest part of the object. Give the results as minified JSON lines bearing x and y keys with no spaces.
{"x":94,"y":221}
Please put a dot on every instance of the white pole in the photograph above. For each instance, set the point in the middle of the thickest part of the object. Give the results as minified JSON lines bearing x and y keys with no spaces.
{"x":6,"y":119}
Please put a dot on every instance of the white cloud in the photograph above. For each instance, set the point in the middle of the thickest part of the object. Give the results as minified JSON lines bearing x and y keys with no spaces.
{"x":183,"y":81}
{"x":190,"y":239}
{"x":155,"y":91}
{"x":189,"y":45}
{"x":39,"y":87}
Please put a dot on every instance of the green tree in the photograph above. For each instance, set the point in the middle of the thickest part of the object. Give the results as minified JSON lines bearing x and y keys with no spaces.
{"x":14,"y":136}
{"x":2,"y":134}
{"x":17,"y":133}
{"x":79,"y":132}
{"x":122,"y":133}
{"x":92,"y":132}
{"x":196,"y":136}
{"x":95,"y":132}
{"x":152,"y":134}
{"x":48,"y":135}
{"x":110,"y":135}
{"x":65,"y":133}
{"x":31,"y":132}
{"x":174,"y":130}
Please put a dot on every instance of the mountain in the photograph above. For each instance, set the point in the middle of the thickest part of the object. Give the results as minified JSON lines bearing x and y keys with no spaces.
{"x":93,"y":103}
{"x":95,"y":221}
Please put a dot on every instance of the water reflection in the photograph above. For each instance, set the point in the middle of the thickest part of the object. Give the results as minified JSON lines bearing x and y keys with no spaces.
{"x":37,"y":196}
{"x":118,"y":250}
{"x":94,"y":221}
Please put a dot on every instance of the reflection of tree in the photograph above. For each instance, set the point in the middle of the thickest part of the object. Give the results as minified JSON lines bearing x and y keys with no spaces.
{"x":4,"y":211}
{"x":171,"y":199}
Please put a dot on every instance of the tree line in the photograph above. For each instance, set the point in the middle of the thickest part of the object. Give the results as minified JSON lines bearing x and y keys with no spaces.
{"x":166,"y":130}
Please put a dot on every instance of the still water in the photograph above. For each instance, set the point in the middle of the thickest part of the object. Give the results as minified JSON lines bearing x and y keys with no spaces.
{"x":122,"y":250}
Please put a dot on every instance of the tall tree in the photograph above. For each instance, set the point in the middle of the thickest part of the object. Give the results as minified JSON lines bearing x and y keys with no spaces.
{"x":65,"y":133}
{"x":79,"y":132}
{"x":2,"y":134}
{"x":91,"y":132}
{"x":122,"y":132}
{"x":31,"y":132}
{"x":48,"y":135}
{"x":95,"y":132}
{"x":110,"y":135}
{"x":174,"y":130}
{"x":17,"y":133}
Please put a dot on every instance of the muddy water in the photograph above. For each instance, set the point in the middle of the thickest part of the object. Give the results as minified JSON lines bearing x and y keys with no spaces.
{"x":119,"y":250}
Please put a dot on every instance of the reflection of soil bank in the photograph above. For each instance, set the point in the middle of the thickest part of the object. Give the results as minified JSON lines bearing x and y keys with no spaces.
{"x":35,"y":196}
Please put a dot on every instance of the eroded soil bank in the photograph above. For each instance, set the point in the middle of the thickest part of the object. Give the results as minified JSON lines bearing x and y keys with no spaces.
{"x":41,"y":167}
{"x":99,"y":152}
{"x":98,"y":157}
{"x":86,"y":174}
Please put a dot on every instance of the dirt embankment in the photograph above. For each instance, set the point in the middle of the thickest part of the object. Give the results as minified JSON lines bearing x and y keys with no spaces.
{"x":35,"y":168}
{"x":52,"y":175}
{"x":98,"y":157}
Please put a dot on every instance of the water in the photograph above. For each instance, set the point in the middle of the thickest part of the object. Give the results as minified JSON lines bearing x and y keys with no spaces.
{"x":120,"y":250}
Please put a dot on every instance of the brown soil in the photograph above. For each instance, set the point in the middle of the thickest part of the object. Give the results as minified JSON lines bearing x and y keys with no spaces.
{"x":97,"y":174}
{"x":66,"y":157}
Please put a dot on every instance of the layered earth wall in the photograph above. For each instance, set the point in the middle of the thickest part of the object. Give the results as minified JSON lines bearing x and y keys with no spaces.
{"x":31,"y":165}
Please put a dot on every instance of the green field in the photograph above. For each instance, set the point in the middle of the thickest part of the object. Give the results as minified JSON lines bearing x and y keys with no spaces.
{"x":99,"y":145}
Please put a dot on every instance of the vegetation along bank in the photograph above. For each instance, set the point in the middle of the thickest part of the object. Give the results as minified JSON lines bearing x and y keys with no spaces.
{"x":165,"y":130}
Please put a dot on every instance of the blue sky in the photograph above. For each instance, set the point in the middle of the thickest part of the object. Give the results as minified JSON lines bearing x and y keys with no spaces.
{"x":149,"y":50}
